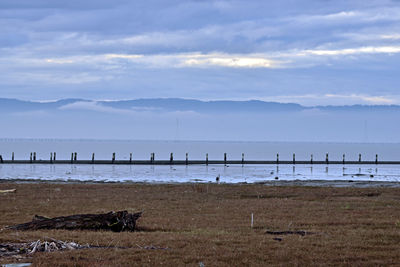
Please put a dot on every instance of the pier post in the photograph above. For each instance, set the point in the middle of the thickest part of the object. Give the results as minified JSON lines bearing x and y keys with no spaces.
{"x":171,"y":158}
{"x":113,"y":158}
{"x":224,"y":158}
{"x":327,"y":158}
{"x":72,"y":157}
{"x":359,"y":157}
{"x":1,"y":159}
{"x":206,"y":158}
{"x":376,"y":159}
{"x":344,"y":157}
{"x":12,"y":157}
{"x":294,"y":158}
{"x":277,"y":158}
{"x":130,"y":158}
{"x":30,"y":159}
{"x":75,"y":156}
{"x":92,"y":158}
{"x":242,"y":158}
{"x":54,"y":156}
{"x":311,"y":159}
{"x":51,"y":157}
{"x":187,"y":158}
{"x":34,"y":156}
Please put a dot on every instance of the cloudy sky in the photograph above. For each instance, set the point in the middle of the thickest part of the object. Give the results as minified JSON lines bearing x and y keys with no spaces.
{"x":313,"y":52}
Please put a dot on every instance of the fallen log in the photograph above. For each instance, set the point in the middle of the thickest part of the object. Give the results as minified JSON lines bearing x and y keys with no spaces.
{"x":302,"y":233}
{"x":115,"y":221}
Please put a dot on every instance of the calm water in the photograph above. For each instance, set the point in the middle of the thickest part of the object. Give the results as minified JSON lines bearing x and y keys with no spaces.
{"x":197,"y":150}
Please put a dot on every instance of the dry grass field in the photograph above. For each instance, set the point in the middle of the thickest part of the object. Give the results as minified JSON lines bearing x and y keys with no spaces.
{"x":210,"y":224}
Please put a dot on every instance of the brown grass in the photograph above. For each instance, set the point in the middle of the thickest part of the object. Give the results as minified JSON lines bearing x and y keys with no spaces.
{"x":210,"y":223}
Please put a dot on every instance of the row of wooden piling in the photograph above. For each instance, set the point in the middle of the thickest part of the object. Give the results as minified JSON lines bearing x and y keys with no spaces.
{"x":74,"y":159}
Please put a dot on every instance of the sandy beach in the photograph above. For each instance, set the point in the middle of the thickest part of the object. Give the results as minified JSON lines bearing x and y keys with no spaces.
{"x":190,"y":224}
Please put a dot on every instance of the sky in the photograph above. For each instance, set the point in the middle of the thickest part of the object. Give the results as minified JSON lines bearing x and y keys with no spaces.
{"x":311,"y":52}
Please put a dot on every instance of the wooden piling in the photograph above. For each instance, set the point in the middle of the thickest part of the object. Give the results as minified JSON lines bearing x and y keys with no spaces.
{"x":187,"y":159}
{"x":54,"y":156}
{"x":12,"y":157}
{"x":171,"y":158}
{"x":327,"y":158}
{"x":242,"y":158}
{"x":294,"y":158}
{"x":1,"y":159}
{"x":130,"y":158}
{"x":311,"y":160}
{"x":113,"y":157}
{"x":30,"y":159}
{"x":75,"y":156}
{"x":206,"y":158}
{"x":34,"y":156}
{"x":92,"y":158}
{"x":224,"y":158}
{"x":72,"y":157}
{"x":51,"y":157}
{"x":277,"y":158}
{"x":376,"y":159}
{"x":344,"y":157}
{"x":359,"y":157}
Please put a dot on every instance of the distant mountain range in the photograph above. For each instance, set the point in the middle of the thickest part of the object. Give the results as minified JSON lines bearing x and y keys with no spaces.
{"x":178,"y":104}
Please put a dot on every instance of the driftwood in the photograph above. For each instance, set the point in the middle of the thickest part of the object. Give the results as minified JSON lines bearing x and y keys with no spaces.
{"x":30,"y":248}
{"x":302,"y":233}
{"x":115,"y":221}
{"x":8,"y":191}
{"x":27,"y":249}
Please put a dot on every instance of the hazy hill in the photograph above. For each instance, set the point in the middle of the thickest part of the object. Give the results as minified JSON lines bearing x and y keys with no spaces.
{"x":176,"y":104}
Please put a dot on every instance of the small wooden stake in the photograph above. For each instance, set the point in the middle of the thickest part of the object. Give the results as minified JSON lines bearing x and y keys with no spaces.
{"x":344,"y":157}
{"x":206,"y":158}
{"x":277,"y":158}
{"x":34,"y":156}
{"x":92,"y":158}
{"x":327,"y":158}
{"x":311,"y":159}
{"x":72,"y":157}
{"x":242,"y":158}
{"x":51,"y":157}
{"x":54,"y":156}
{"x":225,"y":158}
{"x":376,"y":159}
{"x":187,"y":158}
{"x":12,"y":157}
{"x":30,"y":159}
{"x":130,"y":158}
{"x":294,"y":158}
{"x":113,"y":157}
{"x":171,"y":158}
{"x":75,"y":156}
{"x":359,"y":157}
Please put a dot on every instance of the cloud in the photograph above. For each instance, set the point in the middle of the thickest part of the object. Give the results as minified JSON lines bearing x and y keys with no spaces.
{"x":353,"y":51}
{"x":136,"y":111}
{"x":336,"y":99}
{"x":199,"y":49}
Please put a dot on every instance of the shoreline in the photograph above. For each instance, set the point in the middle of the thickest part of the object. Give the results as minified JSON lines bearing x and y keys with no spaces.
{"x":280,"y":183}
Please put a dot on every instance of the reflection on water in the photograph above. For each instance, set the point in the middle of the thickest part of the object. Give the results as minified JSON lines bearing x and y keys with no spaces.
{"x":200,"y":173}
